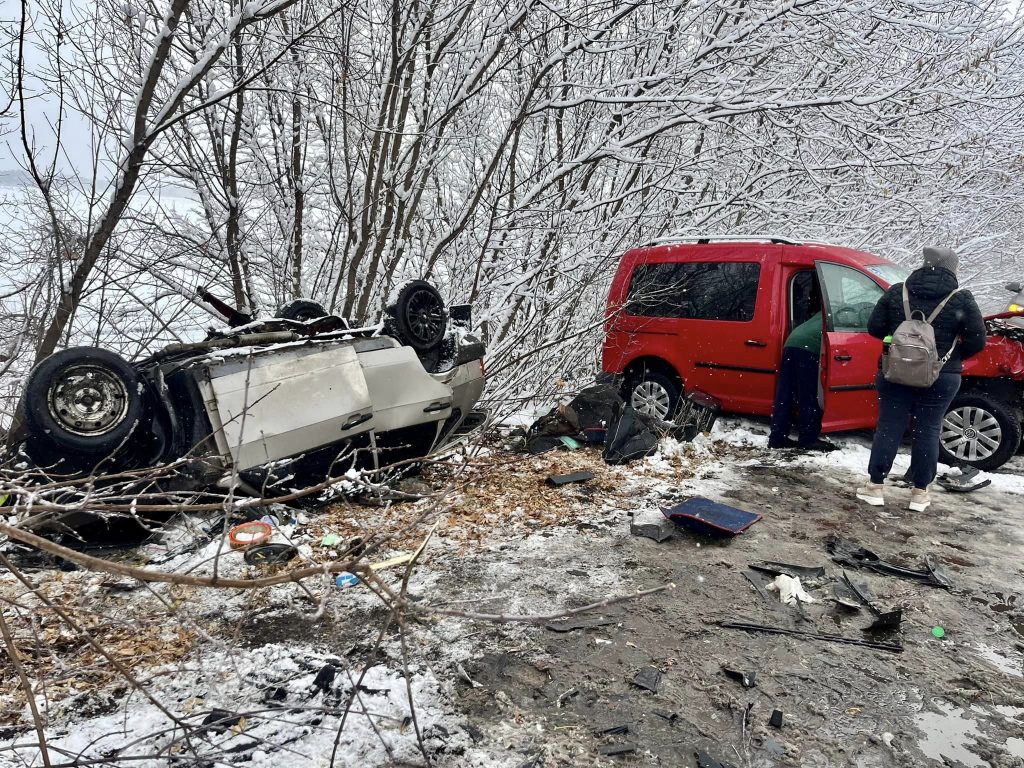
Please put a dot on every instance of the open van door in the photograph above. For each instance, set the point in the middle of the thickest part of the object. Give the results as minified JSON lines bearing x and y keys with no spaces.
{"x":849,"y":358}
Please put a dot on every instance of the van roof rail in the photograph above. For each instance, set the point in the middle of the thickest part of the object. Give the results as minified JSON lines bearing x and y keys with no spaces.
{"x":703,"y":240}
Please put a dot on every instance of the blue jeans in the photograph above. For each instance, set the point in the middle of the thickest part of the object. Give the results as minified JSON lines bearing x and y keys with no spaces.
{"x":896,"y":404}
{"x":798,"y":385}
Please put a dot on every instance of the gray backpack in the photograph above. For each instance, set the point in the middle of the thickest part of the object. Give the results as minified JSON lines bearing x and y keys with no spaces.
{"x":913,"y":359}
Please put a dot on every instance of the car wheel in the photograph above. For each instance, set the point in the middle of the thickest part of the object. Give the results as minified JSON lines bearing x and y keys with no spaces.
{"x":653,"y":393}
{"x":301,"y":310}
{"x":419,"y":315}
{"x":84,"y":401}
{"x":979,"y":430}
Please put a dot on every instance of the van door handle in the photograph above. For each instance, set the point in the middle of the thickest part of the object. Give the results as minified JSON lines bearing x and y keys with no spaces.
{"x":437,"y":406}
{"x":842,"y":358}
{"x":355,"y":421}
{"x":755,"y":343}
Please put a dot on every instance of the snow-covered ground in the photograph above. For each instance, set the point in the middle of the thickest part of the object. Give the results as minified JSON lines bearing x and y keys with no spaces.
{"x":495,"y":694}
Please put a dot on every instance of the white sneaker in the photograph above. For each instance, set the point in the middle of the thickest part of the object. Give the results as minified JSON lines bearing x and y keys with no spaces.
{"x":871,"y":493}
{"x":919,"y":500}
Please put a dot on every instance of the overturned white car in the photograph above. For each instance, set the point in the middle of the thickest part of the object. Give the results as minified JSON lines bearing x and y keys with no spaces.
{"x":263,"y":402}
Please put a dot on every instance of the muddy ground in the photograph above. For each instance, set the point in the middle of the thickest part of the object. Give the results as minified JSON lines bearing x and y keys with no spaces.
{"x":520,"y":694}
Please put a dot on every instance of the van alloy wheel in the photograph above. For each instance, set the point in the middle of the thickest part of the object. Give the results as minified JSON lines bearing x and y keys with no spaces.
{"x":652,"y":398}
{"x":971,"y":433}
{"x":88,"y":400}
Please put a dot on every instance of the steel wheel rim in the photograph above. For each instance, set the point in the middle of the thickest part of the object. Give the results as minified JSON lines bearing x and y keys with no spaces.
{"x":425,"y":315}
{"x":651,"y":398}
{"x":971,"y":433}
{"x":88,"y":400}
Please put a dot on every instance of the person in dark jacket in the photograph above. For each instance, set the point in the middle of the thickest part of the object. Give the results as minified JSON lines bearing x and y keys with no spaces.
{"x":798,"y":386}
{"x":960,"y":327}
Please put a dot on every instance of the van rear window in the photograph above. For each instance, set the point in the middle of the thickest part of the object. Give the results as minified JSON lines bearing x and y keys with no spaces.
{"x":694,"y":291}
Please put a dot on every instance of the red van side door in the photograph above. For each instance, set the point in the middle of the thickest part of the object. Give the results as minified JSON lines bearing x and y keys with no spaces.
{"x":849,"y":361}
{"x":736,"y":360}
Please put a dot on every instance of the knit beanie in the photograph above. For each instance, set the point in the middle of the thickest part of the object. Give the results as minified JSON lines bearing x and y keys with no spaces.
{"x":936,"y":256}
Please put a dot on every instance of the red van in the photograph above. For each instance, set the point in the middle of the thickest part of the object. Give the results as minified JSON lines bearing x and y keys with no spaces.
{"x":711,"y":315}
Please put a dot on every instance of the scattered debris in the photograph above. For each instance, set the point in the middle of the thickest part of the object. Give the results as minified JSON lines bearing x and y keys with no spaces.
{"x":810,"y":575}
{"x":324,"y":679}
{"x":648,"y":678}
{"x":330,"y":540}
{"x":249,"y":534}
{"x":571,"y":442}
{"x":631,"y":436}
{"x":963,"y":482}
{"x":845,"y":596}
{"x":568,"y":625}
{"x":269,"y":554}
{"x":626,"y":748}
{"x":697,"y":414}
{"x":885,"y":621}
{"x":760,"y":583}
{"x":566,"y":696}
{"x":775,"y":721}
{"x":659,"y":530}
{"x":704,"y":760}
{"x":790,"y":590}
{"x":891,"y":647}
{"x":615,"y":730}
{"x":573,"y":477}
{"x":465,"y":676}
{"x":938,"y":632}
{"x":847,"y":553}
{"x":220,"y":720}
{"x":666,"y":715}
{"x":746,"y":679}
{"x":706,"y":516}
{"x":346,"y":579}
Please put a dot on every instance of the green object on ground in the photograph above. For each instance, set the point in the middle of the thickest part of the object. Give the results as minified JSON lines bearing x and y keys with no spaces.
{"x":938,"y":632}
{"x":571,"y":443}
{"x":330,"y":540}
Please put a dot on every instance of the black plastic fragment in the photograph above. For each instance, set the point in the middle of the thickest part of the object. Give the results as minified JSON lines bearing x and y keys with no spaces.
{"x":749,"y":627}
{"x":664,"y":714}
{"x":473,"y":732}
{"x":806,"y":573}
{"x":573,"y":477}
{"x":775,"y":721}
{"x":657,"y":531}
{"x":704,"y":760}
{"x":759,"y":582}
{"x":648,"y":678}
{"x":615,"y":730}
{"x":324,"y":679}
{"x":746,"y":679}
{"x":847,"y":553}
{"x":269,"y":554}
{"x":611,"y":750}
{"x":885,"y":621}
{"x":572,"y":624}
{"x":219,"y":720}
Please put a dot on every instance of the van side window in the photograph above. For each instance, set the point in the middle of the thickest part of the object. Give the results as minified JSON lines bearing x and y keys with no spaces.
{"x":850,"y":296}
{"x":695,"y":291}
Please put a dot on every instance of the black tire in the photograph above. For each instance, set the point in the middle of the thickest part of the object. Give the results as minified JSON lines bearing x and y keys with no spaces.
{"x":301,"y":310}
{"x":658,"y":387}
{"x":420,"y":319}
{"x":83,"y":401}
{"x":979,"y":430}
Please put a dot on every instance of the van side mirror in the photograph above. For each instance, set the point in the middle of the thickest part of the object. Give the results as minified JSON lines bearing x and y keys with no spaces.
{"x":1013,"y":287}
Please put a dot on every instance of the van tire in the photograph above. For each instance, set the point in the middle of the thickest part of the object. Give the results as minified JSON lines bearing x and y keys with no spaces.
{"x":971,"y":413}
{"x":649,"y":391}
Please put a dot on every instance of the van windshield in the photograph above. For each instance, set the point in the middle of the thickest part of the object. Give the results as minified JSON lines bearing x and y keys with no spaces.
{"x":891,"y":273}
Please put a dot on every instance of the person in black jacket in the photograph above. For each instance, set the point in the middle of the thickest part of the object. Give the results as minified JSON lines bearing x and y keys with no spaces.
{"x":959,"y":323}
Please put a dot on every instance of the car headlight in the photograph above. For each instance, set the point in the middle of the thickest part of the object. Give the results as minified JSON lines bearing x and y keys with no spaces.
{"x":1016,"y":308}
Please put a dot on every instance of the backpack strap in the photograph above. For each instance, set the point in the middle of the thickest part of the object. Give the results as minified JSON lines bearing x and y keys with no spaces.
{"x":906,"y":304}
{"x":939,"y":308}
